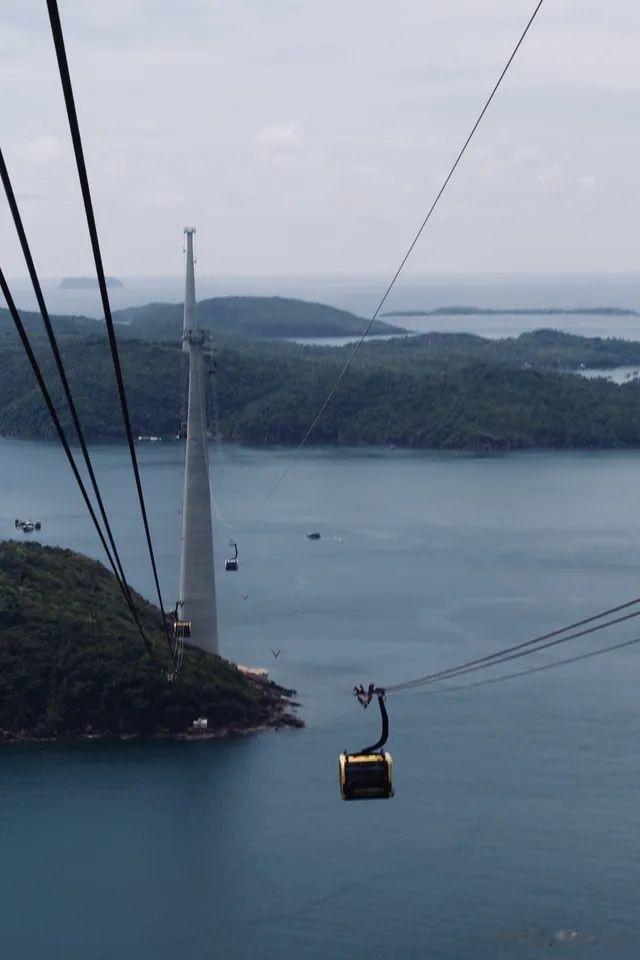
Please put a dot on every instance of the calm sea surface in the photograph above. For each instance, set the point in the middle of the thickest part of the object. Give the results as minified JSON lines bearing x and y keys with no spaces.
{"x":516,"y":812}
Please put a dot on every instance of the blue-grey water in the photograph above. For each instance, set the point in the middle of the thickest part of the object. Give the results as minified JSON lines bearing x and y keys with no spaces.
{"x":516,"y":812}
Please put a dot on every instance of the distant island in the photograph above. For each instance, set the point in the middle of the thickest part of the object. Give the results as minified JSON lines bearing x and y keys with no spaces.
{"x":252,"y":317}
{"x":72,"y":664}
{"x":516,"y":312}
{"x":438,"y":390}
{"x":86,"y":283}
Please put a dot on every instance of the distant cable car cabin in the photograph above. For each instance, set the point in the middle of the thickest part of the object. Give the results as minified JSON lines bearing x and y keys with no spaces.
{"x":231,"y":564}
{"x":368,"y":774}
{"x":181,"y":629}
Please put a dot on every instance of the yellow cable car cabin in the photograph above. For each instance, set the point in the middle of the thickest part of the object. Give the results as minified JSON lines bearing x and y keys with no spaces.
{"x":368,"y":774}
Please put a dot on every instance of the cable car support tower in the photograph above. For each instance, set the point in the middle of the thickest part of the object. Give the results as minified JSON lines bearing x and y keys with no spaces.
{"x":197,"y":603}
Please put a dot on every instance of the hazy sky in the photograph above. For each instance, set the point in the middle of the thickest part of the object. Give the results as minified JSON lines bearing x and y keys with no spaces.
{"x":304,"y":136}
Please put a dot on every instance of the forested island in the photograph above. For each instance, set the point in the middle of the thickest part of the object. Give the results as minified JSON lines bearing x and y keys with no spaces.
{"x":516,"y":312}
{"x":452,"y":391}
{"x":253,"y":317}
{"x":73,"y":665}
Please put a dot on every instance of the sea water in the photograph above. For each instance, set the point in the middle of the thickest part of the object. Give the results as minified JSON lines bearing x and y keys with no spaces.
{"x":516,"y":808}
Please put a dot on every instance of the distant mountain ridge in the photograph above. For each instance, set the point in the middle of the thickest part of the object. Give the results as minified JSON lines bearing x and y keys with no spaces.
{"x":250,"y":317}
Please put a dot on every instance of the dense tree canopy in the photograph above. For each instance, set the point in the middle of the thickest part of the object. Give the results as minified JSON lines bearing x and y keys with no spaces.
{"x":72,"y":661}
{"x":441,"y":390}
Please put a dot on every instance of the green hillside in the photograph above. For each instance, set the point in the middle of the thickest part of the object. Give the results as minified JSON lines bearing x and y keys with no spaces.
{"x":455,"y":392}
{"x":72,"y":663}
{"x":253,"y":317}
{"x":540,"y":350}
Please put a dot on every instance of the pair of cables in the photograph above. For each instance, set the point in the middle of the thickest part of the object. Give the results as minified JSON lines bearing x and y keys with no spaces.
{"x":552,"y":639}
{"x":105,"y":536}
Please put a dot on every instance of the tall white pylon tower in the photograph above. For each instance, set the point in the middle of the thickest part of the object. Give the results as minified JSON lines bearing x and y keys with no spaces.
{"x":197,"y":574}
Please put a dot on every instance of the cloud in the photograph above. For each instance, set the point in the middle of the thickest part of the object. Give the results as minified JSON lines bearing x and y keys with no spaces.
{"x":29,"y":196}
{"x":41,"y":150}
{"x":164,"y":198}
{"x":274,"y":125}
{"x":114,"y":166}
{"x":283,"y":137}
{"x":551,"y":176}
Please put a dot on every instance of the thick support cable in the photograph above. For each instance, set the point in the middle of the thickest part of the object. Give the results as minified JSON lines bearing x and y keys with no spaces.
{"x":454,"y":674}
{"x":35,"y":366}
{"x":65,"y":78}
{"x":545,"y":666}
{"x":527,"y":646}
{"x":417,"y":236}
{"x":35,"y":281}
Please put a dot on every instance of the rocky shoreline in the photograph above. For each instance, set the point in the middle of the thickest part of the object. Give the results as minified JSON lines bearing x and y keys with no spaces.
{"x":281,"y":715}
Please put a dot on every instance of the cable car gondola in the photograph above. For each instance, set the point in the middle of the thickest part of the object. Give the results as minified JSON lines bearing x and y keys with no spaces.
{"x":181,"y":629}
{"x":368,"y":774}
{"x":231,"y":564}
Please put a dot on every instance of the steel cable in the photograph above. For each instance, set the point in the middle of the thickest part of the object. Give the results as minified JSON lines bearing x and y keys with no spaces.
{"x":539,"y":669}
{"x":417,"y":236}
{"x":497,"y":659}
{"x":35,"y":366}
{"x":65,"y":77}
{"x":35,"y":281}
{"x":489,"y":659}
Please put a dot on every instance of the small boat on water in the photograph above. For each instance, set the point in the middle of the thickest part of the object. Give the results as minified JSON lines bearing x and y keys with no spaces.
{"x":28,"y":526}
{"x":313,"y":536}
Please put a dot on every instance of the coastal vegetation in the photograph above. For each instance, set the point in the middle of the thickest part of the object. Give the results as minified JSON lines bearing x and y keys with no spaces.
{"x":72,"y":662}
{"x":539,"y":350}
{"x":442,"y":390}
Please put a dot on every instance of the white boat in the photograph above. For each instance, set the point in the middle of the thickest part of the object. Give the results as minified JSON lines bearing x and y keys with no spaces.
{"x":28,"y":525}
